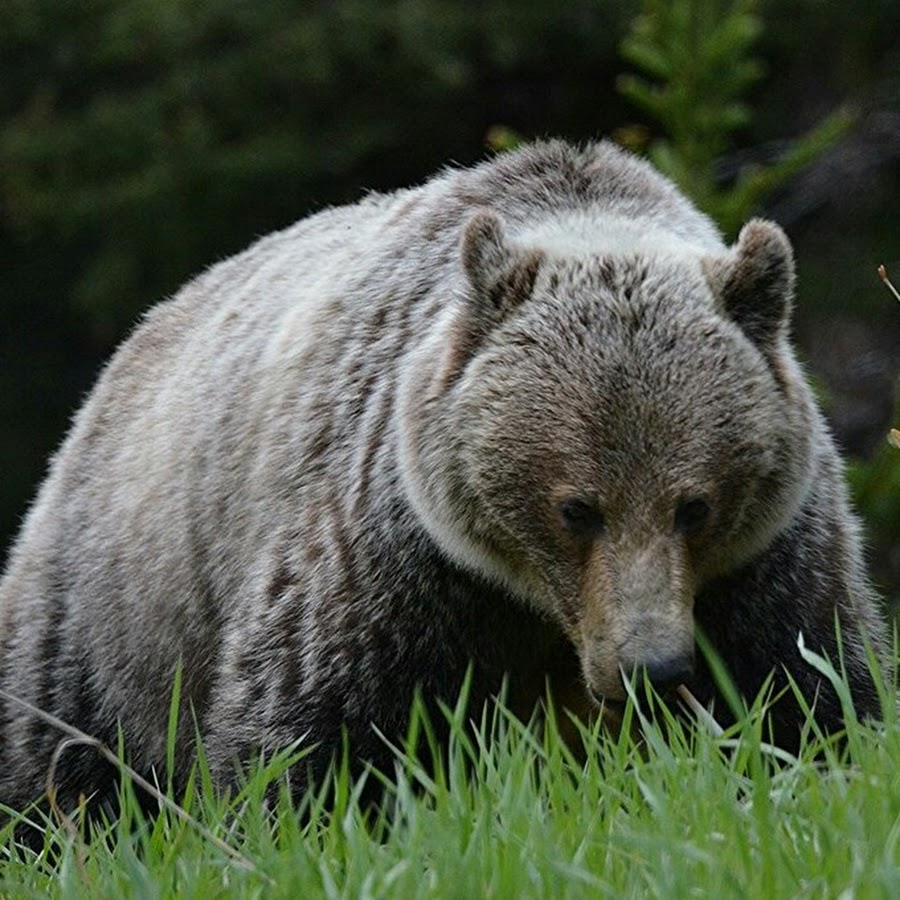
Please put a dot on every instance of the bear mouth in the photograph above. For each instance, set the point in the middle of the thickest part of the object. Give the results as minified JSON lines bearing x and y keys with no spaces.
{"x":605,"y":703}
{"x":672,"y":697}
{"x":680,"y":699}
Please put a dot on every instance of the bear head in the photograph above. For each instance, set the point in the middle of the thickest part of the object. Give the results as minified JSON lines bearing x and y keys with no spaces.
{"x":605,"y":434}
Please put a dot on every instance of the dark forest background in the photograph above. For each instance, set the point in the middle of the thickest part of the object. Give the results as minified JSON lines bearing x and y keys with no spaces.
{"x":141,"y":141}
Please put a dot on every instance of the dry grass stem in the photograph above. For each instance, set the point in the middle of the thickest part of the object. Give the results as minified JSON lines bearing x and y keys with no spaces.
{"x":63,"y":817}
{"x":704,"y":716}
{"x":883,"y":275}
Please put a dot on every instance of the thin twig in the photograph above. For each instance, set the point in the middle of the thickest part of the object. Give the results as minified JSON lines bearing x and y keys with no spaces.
{"x":76,"y":736}
{"x":894,"y":436}
{"x":883,"y":275}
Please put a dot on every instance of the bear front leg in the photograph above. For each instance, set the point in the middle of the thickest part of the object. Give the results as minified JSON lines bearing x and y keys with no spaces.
{"x":809,"y":579}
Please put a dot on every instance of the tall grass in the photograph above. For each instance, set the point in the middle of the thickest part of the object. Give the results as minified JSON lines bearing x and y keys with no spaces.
{"x":669,"y":809}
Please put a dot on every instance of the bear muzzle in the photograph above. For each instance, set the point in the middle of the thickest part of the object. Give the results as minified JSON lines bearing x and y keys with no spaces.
{"x":638,"y":621}
{"x":657,"y":650}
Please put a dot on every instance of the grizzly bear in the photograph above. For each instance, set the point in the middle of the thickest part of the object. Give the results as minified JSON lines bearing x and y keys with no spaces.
{"x":532,"y":418}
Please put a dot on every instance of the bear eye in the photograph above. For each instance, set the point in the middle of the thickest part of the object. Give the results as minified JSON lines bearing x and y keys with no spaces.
{"x":581,"y":518}
{"x":691,"y":515}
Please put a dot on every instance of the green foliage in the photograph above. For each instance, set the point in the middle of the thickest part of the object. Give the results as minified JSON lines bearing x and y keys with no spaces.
{"x":510,"y":810}
{"x":696,"y":56}
{"x":876,"y":489}
{"x":876,"y":486}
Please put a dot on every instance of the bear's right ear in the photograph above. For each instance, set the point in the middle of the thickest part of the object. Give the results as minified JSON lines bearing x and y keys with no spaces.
{"x":501,"y":277}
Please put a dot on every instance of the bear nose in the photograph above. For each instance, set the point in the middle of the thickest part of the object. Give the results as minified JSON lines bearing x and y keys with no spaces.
{"x":664,"y":673}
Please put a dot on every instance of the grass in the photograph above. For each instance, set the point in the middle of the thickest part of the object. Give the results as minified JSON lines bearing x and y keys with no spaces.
{"x":511,"y":812}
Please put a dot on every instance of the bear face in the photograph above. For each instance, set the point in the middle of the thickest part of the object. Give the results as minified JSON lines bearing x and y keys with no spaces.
{"x":579,"y":468}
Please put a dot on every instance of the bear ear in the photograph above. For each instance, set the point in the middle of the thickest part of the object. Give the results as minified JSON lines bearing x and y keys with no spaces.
{"x":755,"y":282}
{"x":501,"y":277}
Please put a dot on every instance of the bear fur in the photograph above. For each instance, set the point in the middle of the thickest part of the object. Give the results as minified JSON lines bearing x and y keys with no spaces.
{"x":533,"y":417}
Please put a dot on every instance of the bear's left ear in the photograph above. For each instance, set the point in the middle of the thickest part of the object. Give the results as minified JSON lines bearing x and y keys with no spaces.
{"x":755,"y":282}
